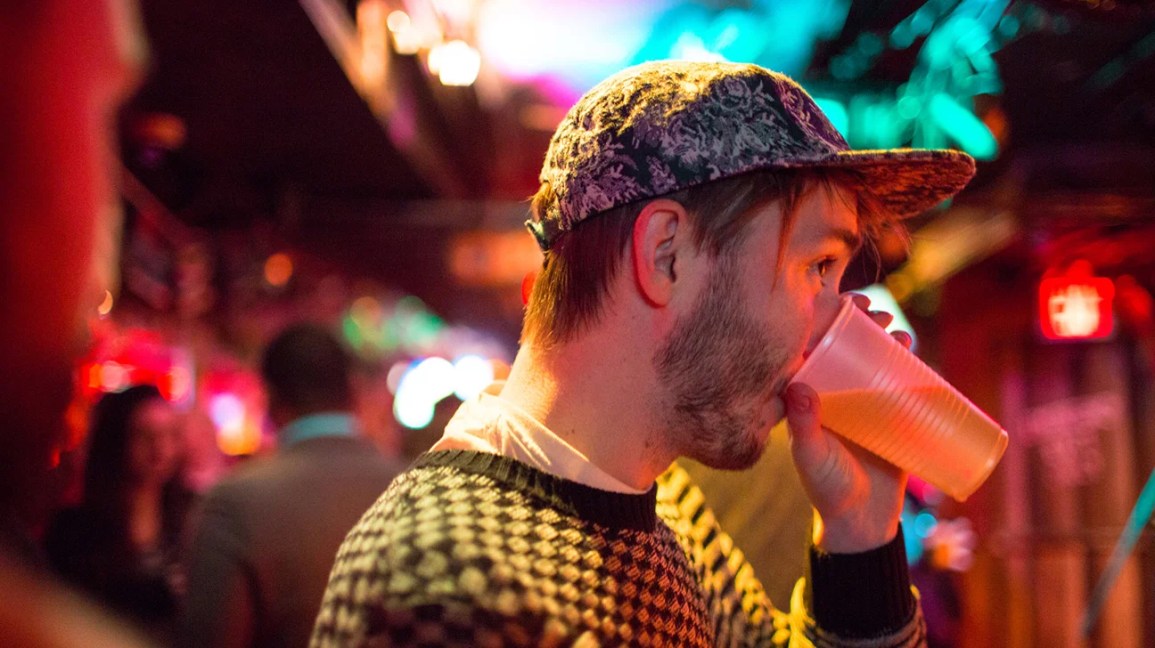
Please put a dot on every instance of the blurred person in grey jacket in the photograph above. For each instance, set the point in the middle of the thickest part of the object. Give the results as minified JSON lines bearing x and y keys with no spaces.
{"x":268,"y":533}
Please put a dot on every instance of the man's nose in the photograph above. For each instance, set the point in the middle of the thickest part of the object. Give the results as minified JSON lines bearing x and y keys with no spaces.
{"x":825,"y":310}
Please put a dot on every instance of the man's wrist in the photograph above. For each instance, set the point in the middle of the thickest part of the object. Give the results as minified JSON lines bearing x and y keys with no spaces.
{"x":846,"y":535}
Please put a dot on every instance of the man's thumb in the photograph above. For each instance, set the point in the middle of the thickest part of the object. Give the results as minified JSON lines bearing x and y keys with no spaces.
{"x":802,"y":416}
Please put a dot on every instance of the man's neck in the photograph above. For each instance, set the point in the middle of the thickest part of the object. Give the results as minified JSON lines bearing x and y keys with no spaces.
{"x":592,"y":395}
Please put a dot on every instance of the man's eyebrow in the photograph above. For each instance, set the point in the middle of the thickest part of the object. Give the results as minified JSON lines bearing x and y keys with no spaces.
{"x":850,"y":238}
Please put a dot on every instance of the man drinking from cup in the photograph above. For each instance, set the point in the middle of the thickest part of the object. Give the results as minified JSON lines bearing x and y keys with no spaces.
{"x":696,"y":219}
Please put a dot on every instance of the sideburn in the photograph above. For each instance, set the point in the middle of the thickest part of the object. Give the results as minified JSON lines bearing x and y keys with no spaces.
{"x":713,"y":362}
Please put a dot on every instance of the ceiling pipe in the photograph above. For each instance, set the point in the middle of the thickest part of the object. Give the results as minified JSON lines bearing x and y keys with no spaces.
{"x":390,"y":100}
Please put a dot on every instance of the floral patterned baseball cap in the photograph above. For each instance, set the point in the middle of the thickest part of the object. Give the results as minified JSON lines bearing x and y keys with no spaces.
{"x":661,"y":127}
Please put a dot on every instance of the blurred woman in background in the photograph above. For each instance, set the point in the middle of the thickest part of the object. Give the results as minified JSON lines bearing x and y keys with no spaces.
{"x":122,"y":542}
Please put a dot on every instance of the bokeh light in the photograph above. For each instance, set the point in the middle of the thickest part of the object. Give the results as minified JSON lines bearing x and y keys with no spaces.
{"x":278,"y":269}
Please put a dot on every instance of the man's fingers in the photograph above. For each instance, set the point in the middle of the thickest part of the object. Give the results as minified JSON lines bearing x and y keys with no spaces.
{"x":882,"y":318}
{"x":860,"y":300}
{"x":903,"y":338}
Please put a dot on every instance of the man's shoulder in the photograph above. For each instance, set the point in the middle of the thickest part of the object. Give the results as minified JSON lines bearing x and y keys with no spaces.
{"x":249,"y":471}
{"x":439,"y":494}
{"x":430,"y":482}
{"x":351,"y":453}
{"x":336,"y":458}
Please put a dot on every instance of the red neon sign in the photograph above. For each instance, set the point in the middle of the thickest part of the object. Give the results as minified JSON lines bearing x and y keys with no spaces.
{"x":1076,"y":305}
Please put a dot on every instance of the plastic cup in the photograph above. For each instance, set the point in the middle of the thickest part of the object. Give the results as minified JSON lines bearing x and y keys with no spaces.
{"x":879,"y":395}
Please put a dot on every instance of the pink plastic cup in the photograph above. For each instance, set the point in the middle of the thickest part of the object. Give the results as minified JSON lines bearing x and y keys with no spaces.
{"x":879,"y":395}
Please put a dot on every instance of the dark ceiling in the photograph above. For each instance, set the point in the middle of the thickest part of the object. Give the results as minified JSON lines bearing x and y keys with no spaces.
{"x":266,"y":108}
{"x":274,"y":133}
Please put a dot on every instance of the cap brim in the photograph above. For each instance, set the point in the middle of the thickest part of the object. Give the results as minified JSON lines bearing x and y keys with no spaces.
{"x":906,"y":181}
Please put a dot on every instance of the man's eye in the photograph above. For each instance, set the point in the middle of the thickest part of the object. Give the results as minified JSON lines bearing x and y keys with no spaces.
{"x":824,"y":266}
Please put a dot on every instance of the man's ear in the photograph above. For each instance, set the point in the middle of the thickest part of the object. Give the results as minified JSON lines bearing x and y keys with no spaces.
{"x":661,"y":237}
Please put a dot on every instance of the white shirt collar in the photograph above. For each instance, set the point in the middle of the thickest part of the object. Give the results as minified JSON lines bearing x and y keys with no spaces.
{"x":489,"y":423}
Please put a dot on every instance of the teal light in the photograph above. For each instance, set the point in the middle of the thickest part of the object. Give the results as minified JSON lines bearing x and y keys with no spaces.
{"x":836,"y":111}
{"x":939,"y":50}
{"x":924,"y":523}
{"x":1009,"y":26}
{"x":870,"y":44}
{"x":901,"y":37}
{"x":1107,"y":75}
{"x":678,"y":24}
{"x":912,"y":541}
{"x":922,"y":21}
{"x":690,"y":47}
{"x":963,"y":127}
{"x":956,"y":41}
{"x":842,"y":68}
{"x":909,"y":107}
{"x":735,"y":35}
{"x":876,"y":123}
{"x":775,"y":34}
{"x":1145,"y":47}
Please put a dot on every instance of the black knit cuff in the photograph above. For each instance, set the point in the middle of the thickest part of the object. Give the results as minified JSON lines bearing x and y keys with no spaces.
{"x":861,"y":595}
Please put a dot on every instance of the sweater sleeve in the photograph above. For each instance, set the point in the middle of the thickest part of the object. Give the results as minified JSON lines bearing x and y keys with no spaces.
{"x":861,"y":595}
{"x":858,"y":600}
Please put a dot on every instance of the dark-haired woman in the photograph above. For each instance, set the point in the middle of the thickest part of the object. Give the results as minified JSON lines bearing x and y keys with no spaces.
{"x":121,"y":544}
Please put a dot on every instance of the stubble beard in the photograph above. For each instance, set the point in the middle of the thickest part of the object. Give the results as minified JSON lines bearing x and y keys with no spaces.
{"x":720,"y":368}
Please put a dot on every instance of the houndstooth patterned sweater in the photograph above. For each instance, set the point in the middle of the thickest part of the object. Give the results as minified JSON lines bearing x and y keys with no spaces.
{"x":475,"y":549}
